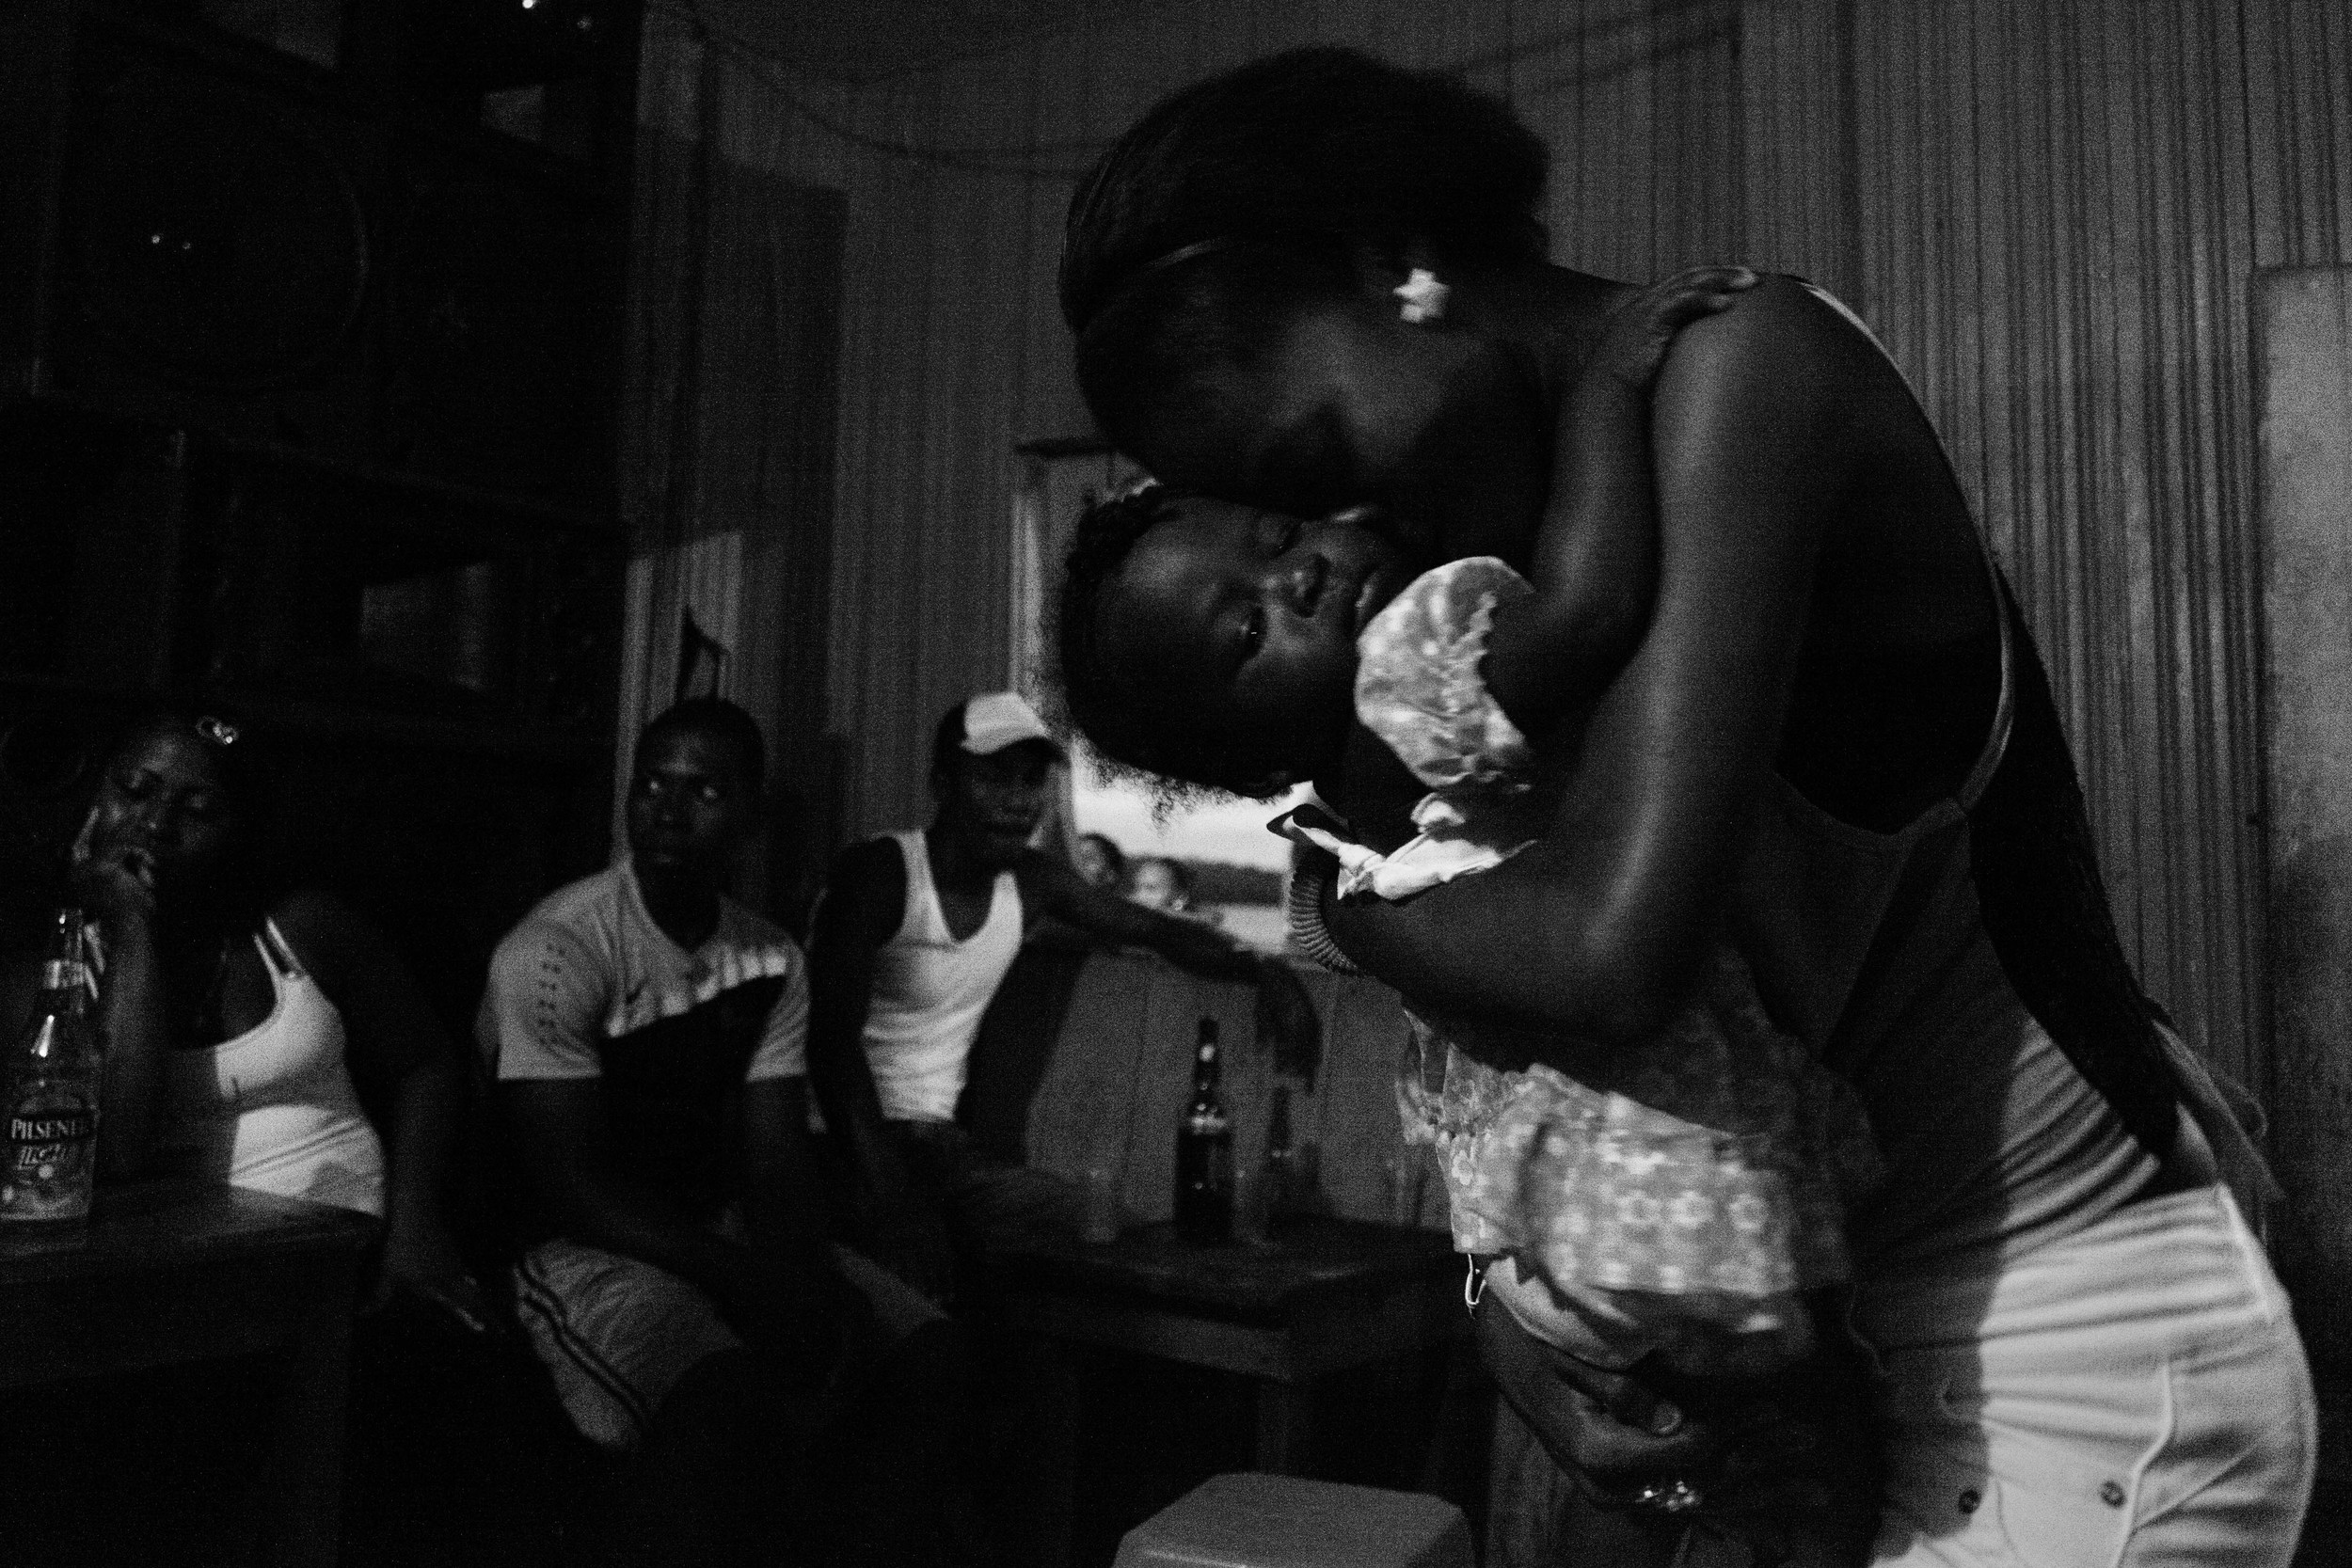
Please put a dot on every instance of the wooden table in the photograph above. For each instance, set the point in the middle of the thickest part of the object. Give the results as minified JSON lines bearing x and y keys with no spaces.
{"x":176,"y":1272}
{"x":1322,"y":1296}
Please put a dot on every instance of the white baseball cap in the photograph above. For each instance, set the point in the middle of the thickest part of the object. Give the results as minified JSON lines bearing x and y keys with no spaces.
{"x":995,"y":719}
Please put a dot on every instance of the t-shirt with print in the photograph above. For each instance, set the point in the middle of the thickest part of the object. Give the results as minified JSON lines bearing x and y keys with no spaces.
{"x":587,"y":986}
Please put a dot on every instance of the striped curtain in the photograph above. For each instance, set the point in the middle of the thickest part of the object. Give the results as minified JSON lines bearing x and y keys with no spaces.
{"x":728,"y":435}
{"x":2051,"y":210}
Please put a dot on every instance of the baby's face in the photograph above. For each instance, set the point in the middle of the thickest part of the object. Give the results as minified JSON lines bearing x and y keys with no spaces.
{"x":1249,"y":620}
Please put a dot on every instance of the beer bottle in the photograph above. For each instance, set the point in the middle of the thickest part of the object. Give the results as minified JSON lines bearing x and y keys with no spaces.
{"x":1282,"y":1159}
{"x":52,"y":1107}
{"x":1204,"y":1152}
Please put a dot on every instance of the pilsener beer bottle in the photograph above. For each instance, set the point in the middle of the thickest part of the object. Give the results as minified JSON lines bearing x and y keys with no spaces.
{"x":1204,"y":1152}
{"x":52,"y":1107}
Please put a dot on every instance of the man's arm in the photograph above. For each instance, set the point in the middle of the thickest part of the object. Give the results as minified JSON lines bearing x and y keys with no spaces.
{"x":864,"y":902}
{"x":562,"y":1146}
{"x":781,"y":1182}
{"x":1049,"y":886}
{"x":783,"y":1190}
{"x":1286,"y":1014}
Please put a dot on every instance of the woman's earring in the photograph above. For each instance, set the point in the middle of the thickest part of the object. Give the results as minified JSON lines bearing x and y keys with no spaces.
{"x":1424,"y":297}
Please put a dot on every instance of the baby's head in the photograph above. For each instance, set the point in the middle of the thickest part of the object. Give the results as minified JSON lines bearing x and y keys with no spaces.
{"x":1216,"y":643}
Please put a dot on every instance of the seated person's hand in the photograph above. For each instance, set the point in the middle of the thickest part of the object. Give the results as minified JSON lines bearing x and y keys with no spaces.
{"x":905,"y":1235}
{"x":794,"y":1299}
{"x":421,"y":1264}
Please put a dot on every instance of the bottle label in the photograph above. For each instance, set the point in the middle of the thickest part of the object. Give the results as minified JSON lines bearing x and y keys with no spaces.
{"x":48,"y":1164}
{"x":53,"y":1126}
{"x":64,"y":974}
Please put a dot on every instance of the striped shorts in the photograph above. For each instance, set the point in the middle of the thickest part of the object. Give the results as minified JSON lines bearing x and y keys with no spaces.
{"x":617,"y":1333}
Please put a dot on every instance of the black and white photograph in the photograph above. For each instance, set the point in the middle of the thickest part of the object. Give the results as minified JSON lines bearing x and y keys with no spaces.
{"x":1176,"y":783}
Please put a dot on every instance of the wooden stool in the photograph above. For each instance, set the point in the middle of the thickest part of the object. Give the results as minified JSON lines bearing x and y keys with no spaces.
{"x":1262,"y":1521}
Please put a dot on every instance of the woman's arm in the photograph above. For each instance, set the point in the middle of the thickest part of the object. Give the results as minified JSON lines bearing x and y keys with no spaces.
{"x":1595,"y":565}
{"x":395,"y":1043}
{"x":1594,"y":930}
{"x":132,"y":1018}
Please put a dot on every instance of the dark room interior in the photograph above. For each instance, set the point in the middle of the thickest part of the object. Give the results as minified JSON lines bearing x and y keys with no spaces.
{"x":510,"y":509}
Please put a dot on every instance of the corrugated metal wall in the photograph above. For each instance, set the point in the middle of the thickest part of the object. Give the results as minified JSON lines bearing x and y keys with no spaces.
{"x":2050,"y":210}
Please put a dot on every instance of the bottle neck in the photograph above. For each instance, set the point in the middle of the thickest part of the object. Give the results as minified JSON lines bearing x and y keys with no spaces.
{"x":65,"y":976}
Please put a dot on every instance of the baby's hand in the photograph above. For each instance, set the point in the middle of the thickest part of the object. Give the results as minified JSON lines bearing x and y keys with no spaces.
{"x":1633,"y":343}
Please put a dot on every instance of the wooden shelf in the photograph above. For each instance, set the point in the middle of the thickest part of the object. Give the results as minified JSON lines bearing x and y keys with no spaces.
{"x":596,"y":524}
{"x":345,"y":90}
{"x":322,"y":719}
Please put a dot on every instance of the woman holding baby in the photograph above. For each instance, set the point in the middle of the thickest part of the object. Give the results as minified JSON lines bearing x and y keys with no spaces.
{"x":1788,"y":807}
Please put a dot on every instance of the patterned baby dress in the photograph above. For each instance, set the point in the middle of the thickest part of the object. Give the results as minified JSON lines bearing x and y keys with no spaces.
{"x":1688,"y":1199}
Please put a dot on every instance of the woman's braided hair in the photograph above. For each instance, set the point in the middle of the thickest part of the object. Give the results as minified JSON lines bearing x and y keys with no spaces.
{"x":1132,"y":723}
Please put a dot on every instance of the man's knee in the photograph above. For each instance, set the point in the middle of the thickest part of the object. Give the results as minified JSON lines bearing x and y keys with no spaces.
{"x":743,"y":1398}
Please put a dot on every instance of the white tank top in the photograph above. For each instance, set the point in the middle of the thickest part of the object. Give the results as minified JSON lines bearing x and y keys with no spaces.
{"x":274,"y":1108}
{"x":929,"y":990}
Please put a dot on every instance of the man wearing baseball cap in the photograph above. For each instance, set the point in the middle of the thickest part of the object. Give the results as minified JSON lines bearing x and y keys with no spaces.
{"x":915,"y":933}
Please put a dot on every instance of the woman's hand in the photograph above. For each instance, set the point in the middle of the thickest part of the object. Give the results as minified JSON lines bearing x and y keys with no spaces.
{"x":1601,"y":1425}
{"x":794,"y":1299}
{"x":906,"y":1236}
{"x":421,"y":1262}
{"x":115,"y":882}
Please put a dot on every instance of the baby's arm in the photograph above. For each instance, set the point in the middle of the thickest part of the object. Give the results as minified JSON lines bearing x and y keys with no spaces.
{"x":1595,"y":557}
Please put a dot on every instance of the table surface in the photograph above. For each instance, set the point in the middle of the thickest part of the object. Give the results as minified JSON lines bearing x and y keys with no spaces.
{"x":1305,"y":1258}
{"x":146,"y":1227}
{"x":184,"y":1271}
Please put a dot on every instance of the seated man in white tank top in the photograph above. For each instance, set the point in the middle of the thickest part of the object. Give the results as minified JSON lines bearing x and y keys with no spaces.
{"x":648,"y":1036}
{"x":915,"y":933}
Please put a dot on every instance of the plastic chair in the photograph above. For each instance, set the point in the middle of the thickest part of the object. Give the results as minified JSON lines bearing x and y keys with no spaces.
{"x":1262,"y":1521}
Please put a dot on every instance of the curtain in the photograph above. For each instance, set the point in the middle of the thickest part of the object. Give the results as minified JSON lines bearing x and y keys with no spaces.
{"x":728,"y":435}
{"x":2051,"y":210}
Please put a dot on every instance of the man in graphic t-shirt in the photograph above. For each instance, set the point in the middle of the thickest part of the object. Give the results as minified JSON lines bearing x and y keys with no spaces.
{"x":915,"y":933}
{"x":648,"y":1038}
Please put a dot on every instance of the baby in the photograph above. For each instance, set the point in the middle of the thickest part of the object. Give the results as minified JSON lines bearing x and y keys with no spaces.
{"x":1680,"y":1198}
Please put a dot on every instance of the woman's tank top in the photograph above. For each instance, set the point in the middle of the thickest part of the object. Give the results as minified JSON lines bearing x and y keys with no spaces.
{"x":274,"y":1109}
{"x":2003,"y":1125}
{"x":929,"y":992}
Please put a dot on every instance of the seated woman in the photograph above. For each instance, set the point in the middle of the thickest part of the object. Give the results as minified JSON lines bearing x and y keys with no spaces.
{"x":242,"y":1017}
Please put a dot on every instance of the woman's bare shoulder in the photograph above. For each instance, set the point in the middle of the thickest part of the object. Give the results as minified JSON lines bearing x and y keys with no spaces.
{"x":1783,"y":335}
{"x":328,"y":935}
